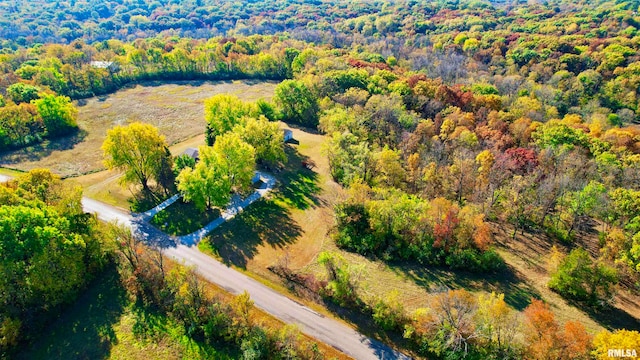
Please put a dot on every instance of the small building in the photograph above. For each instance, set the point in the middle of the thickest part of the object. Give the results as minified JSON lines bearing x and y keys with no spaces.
{"x":192,"y":153}
{"x":110,"y":65}
{"x":288,"y":135}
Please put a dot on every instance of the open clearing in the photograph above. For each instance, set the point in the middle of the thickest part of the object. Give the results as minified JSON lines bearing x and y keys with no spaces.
{"x":176,"y":109}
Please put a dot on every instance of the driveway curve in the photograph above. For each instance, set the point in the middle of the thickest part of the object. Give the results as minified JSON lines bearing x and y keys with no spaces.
{"x":327,"y":330}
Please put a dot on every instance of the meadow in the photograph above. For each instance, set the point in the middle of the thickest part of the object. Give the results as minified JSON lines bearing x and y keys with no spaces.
{"x":175,"y":108}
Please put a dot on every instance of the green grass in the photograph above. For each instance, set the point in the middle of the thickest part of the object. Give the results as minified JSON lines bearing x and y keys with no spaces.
{"x":10,"y":172}
{"x":105,"y":324}
{"x":264,"y":222}
{"x":182,"y":218}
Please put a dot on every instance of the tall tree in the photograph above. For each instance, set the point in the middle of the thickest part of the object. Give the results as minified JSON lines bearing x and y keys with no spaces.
{"x":222,"y":112}
{"x":58,"y":114}
{"x":208,"y":184}
{"x":266,"y":138}
{"x":239,"y":158}
{"x":297,"y":103}
{"x":227,"y":166}
{"x":138,"y":150}
{"x":546,"y":339}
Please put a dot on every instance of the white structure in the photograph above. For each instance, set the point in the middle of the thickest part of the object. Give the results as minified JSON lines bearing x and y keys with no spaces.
{"x":288,"y":135}
{"x":102,"y":64}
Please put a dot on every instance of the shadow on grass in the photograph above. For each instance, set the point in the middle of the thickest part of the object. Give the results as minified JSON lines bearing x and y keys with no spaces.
{"x":362,"y":319}
{"x":182,"y":218}
{"x":517,"y":293}
{"x":298,"y":185}
{"x":264,"y":222}
{"x":610,"y":318}
{"x":146,"y":200}
{"x":85,"y":329}
{"x":39,"y":151}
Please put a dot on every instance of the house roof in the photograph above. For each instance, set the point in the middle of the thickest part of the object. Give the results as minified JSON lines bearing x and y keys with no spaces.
{"x":192,"y":152}
{"x":101,"y":64}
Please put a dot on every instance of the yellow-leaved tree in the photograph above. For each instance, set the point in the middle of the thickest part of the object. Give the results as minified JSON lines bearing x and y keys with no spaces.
{"x":624,"y":340}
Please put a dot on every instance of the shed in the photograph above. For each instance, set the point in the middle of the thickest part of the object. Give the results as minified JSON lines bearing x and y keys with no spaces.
{"x":104,"y":65}
{"x":192,"y":153}
{"x":288,"y":135}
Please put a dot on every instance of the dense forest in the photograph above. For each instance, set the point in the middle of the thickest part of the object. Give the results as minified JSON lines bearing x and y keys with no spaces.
{"x":443,"y":121}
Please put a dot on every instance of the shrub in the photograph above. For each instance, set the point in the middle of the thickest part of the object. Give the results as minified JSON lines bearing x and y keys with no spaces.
{"x":389,"y":313}
{"x":476,"y":261}
{"x":580,"y":278}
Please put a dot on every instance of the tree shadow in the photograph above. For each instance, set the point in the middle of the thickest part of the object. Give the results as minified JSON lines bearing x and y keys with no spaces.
{"x":182,"y":218}
{"x":362,"y":321}
{"x":611,"y":317}
{"x":298,"y":185}
{"x":264,"y":222}
{"x":85,"y":329}
{"x":144,"y":200}
{"x":41,"y":150}
{"x":508,"y":281}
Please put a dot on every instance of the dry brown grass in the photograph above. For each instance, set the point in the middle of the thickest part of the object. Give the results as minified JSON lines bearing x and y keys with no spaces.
{"x":175,"y":108}
{"x":530,"y":255}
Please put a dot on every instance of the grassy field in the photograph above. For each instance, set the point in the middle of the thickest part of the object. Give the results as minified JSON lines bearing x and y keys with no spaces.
{"x":10,"y":172}
{"x":182,"y":218}
{"x":175,"y":108}
{"x":291,"y":227}
{"x":105,"y":324}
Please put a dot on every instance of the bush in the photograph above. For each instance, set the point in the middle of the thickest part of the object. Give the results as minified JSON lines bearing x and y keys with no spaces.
{"x":22,"y":93}
{"x":389,"y":313}
{"x":342,"y":286}
{"x":476,"y":261}
{"x":580,"y":278}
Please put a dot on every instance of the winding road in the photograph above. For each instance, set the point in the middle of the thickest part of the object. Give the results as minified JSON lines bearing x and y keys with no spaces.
{"x":325,"y":329}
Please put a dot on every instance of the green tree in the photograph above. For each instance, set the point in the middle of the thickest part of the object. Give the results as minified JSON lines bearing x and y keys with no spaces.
{"x":136,"y":149}
{"x":182,"y":162}
{"x":554,"y":134}
{"x":227,"y":166}
{"x":222,"y":112}
{"x":349,"y":158}
{"x":208,"y":184}
{"x":22,"y":93}
{"x":297,"y":103}
{"x":58,"y":114}
{"x":49,"y":248}
{"x":580,"y":204}
{"x":240,"y":160}
{"x":580,"y":278}
{"x":266,"y":138}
